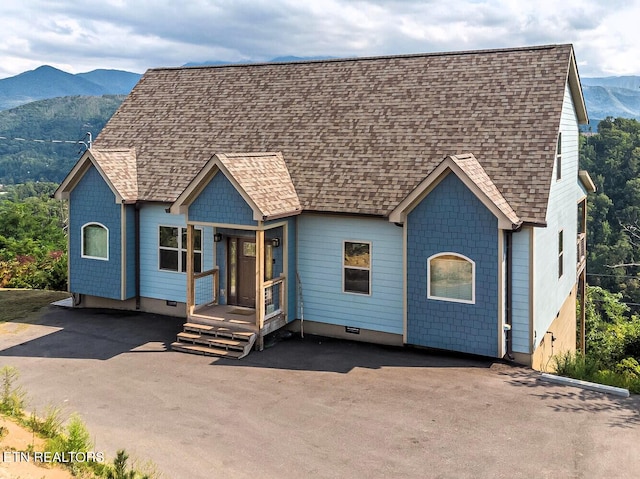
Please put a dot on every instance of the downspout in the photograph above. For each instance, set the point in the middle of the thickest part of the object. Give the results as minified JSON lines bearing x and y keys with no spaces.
{"x":508,"y":293}
{"x":137,"y":248}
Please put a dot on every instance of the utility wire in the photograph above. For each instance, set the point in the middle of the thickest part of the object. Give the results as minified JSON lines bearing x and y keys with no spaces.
{"x":85,"y":141}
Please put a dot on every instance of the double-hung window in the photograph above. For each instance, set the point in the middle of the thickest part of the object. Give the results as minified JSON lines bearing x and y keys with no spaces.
{"x":173,"y":249}
{"x":357,"y":267}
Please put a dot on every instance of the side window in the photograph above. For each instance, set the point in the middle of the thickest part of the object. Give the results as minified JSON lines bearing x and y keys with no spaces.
{"x":559,"y":157}
{"x":172,"y":247}
{"x":357,"y":267}
{"x":451,"y":277}
{"x":95,"y":241}
{"x":560,"y":253}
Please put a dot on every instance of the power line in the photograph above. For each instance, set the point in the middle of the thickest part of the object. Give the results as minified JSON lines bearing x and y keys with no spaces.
{"x":85,"y":141}
{"x":613,"y":275}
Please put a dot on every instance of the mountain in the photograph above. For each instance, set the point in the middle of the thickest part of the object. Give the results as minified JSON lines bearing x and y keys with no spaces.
{"x":114,"y":82}
{"x":611,"y":96}
{"x":39,"y":140}
{"x":49,"y":82}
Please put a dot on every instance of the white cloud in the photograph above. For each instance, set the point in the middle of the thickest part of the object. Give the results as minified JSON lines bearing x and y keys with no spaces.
{"x":136,"y":35}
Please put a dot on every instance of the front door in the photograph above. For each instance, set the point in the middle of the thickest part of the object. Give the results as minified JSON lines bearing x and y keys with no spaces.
{"x":242,"y":272}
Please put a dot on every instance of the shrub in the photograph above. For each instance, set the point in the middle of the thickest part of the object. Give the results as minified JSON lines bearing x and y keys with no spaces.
{"x":11,"y":396}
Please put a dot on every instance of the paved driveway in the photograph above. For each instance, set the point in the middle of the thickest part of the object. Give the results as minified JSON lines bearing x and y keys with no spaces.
{"x":314,"y":407}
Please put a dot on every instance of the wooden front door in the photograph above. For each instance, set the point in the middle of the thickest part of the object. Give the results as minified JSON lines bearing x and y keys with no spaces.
{"x":242,"y":272}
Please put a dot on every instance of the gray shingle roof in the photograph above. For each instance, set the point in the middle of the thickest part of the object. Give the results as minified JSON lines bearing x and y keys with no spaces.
{"x":356,"y":135}
{"x":121,"y":169}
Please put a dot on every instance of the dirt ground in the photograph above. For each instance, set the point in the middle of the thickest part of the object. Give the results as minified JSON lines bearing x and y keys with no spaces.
{"x":15,"y":440}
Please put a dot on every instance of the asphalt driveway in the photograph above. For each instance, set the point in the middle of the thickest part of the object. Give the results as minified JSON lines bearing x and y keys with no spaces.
{"x":314,"y":407}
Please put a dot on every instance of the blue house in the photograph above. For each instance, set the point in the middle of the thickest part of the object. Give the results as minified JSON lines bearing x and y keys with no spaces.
{"x":431,"y":200}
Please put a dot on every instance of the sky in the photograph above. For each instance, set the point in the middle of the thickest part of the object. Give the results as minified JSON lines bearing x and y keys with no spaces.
{"x":78,"y":36}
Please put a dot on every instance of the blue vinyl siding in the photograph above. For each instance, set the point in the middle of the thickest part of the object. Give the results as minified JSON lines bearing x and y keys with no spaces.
{"x":452,"y":219}
{"x":550,"y":291}
{"x":93,"y":201}
{"x":155,"y":283}
{"x":292,"y":288}
{"x":220,"y":202}
{"x":320,"y":265}
{"x":130,"y":251}
{"x":520,"y":328}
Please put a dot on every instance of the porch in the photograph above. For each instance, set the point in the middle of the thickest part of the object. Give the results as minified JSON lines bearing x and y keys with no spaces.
{"x":232,"y":306}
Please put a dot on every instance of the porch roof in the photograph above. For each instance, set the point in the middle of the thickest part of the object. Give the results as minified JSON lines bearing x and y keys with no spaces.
{"x":262,"y":178}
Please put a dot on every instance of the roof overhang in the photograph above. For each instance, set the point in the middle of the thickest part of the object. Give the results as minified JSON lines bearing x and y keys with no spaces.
{"x":576,"y":91}
{"x":586,"y":181}
{"x":480,"y":185}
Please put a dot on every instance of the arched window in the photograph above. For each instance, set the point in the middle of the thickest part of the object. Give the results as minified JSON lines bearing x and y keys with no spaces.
{"x":95,"y":241}
{"x":451,"y":277}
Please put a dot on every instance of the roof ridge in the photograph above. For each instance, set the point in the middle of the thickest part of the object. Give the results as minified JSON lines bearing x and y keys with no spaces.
{"x":367,"y":58}
{"x":250,"y":154}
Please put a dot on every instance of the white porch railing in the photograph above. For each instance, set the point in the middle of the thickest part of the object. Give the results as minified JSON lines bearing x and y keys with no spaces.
{"x":581,"y":248}
{"x":205,"y":288}
{"x":273,"y":296}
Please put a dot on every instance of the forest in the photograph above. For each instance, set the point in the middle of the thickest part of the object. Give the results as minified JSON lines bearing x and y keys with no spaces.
{"x":612,"y":158}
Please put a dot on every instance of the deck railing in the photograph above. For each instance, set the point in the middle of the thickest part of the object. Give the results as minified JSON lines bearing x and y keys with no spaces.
{"x":273,"y":296}
{"x":205,"y":289}
{"x":581,"y":248}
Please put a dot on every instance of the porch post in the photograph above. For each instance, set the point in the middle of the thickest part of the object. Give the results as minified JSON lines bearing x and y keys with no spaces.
{"x":582,"y":285}
{"x":260,"y":311}
{"x":190,"y":280}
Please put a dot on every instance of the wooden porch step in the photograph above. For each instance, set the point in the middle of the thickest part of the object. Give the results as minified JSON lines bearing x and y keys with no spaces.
{"x":211,"y":341}
{"x":206,"y":350}
{"x":218,"y":331}
{"x":223,"y":341}
{"x":234,"y":322}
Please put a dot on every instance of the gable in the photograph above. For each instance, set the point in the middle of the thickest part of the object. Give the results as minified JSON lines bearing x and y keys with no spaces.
{"x":357,"y":135}
{"x":261,"y":179}
{"x":470,"y":173}
{"x":118,"y":169}
{"x":219,"y":202}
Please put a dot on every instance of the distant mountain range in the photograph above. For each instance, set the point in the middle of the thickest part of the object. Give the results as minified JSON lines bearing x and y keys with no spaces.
{"x":48,"y":82}
{"x":609,"y":96}
{"x":612,"y":96}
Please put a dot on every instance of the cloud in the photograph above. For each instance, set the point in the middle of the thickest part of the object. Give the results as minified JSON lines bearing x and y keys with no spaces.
{"x":136,"y":35}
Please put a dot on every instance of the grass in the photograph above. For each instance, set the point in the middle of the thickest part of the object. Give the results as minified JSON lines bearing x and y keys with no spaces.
{"x":20,"y":303}
{"x":585,"y":368}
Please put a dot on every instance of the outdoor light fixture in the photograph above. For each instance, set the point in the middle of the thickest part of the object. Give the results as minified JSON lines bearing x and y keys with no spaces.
{"x":217,"y":237}
{"x":275,"y":242}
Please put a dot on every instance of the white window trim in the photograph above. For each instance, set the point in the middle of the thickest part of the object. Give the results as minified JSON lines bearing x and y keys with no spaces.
{"x":559,"y":157}
{"x":179,"y":249}
{"x":473,"y":279}
{"x":370,"y":268}
{"x":93,"y":223}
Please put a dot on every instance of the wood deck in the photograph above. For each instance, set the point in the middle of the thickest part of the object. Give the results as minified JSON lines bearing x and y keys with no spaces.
{"x":236,"y":317}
